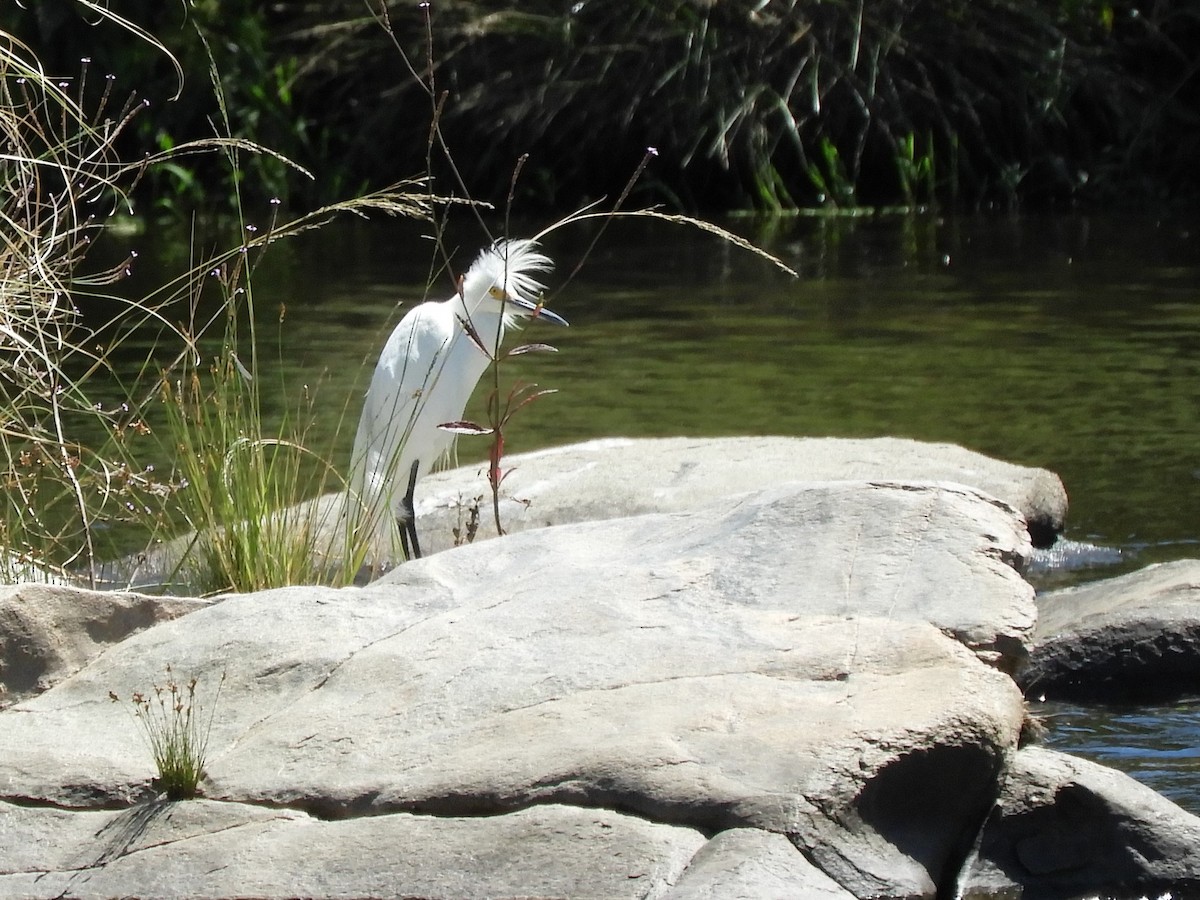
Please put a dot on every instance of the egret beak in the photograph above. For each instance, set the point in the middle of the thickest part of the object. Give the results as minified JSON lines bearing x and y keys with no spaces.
{"x":536,"y":311}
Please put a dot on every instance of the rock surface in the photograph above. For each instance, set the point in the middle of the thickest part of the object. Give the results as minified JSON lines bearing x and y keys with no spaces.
{"x":748,"y":864}
{"x":619,"y":477}
{"x":801,"y":661}
{"x":616,"y":477}
{"x":801,"y":690}
{"x":203,"y":849}
{"x":47,"y":632}
{"x":1065,"y":827}
{"x":1132,"y":637}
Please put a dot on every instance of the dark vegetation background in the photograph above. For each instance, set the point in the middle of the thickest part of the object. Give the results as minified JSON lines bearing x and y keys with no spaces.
{"x":765,"y":105}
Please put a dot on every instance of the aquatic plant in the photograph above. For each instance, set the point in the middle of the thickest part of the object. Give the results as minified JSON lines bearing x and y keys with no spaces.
{"x":916,"y":170}
{"x":1049,"y":88}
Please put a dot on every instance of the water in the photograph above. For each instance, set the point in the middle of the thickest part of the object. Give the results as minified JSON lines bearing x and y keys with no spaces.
{"x":1068,"y":342}
{"x":1156,"y":744}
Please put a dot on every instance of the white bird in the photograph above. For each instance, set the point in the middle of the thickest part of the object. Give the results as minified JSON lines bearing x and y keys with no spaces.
{"x":426,"y":373}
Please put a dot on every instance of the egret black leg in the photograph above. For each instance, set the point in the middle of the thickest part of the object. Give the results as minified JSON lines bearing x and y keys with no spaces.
{"x":408,"y":519}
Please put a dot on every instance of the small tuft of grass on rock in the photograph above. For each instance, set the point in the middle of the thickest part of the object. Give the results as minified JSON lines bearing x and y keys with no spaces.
{"x":176,"y":733}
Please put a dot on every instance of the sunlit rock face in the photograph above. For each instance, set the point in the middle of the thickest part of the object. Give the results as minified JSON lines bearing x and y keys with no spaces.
{"x":799,"y":689}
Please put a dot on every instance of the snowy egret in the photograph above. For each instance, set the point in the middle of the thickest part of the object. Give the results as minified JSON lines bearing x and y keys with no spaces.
{"x":426,"y":373}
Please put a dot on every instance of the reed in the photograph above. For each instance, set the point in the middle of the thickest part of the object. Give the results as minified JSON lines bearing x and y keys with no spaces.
{"x":246,"y":484}
{"x":1039,"y":101}
{"x":75,"y":467}
{"x":61,"y":181}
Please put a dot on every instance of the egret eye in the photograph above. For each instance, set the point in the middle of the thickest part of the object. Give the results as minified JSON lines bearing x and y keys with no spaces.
{"x":497,"y":293}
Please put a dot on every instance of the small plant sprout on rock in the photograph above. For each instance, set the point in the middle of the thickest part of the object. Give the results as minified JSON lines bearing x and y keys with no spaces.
{"x":176,"y":733}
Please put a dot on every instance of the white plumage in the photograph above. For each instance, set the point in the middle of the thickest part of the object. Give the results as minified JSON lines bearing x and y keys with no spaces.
{"x":427,"y":371}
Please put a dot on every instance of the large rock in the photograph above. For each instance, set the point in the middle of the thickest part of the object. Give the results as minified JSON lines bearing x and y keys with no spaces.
{"x":1065,"y":827}
{"x":214,"y":850}
{"x":804,"y":661}
{"x":48,"y":632}
{"x":614,"y":477}
{"x":1132,"y":637}
{"x":619,"y":477}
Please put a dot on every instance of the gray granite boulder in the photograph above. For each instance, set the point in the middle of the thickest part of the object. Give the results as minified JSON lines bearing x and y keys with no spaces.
{"x":204,"y":849}
{"x":1064,"y":827}
{"x":614,"y":477}
{"x":619,"y":477}
{"x":822,"y":662}
{"x":749,"y":864}
{"x":1132,"y":637}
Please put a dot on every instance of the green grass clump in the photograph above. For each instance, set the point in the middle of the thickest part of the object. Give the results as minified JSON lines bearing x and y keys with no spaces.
{"x":72,"y":465}
{"x":176,"y":732}
{"x":247,"y":478}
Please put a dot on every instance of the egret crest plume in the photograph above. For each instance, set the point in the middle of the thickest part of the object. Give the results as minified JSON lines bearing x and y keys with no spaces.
{"x":504,"y":273}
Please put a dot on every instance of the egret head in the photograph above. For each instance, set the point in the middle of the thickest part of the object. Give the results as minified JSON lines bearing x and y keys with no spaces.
{"x":502,"y":280}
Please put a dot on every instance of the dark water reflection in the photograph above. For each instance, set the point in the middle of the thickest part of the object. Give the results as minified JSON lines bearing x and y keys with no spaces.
{"x":1069,"y":342}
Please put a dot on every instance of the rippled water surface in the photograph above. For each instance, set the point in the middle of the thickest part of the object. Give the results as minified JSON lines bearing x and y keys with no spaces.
{"x":1069,"y":342}
{"x":1158,"y":745}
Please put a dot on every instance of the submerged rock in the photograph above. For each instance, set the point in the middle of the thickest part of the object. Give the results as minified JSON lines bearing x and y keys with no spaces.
{"x":1066,"y":555}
